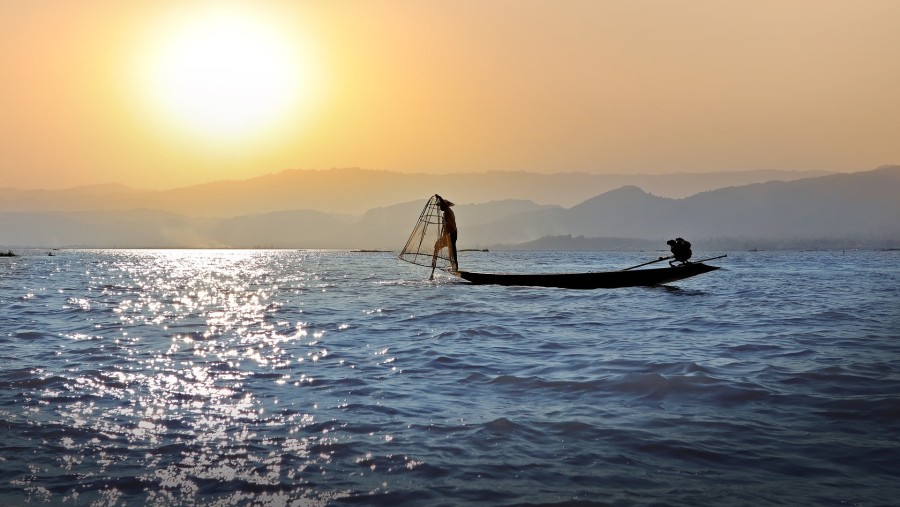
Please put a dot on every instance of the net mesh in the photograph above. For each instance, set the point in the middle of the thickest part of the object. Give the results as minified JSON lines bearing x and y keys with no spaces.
{"x":419,"y":247}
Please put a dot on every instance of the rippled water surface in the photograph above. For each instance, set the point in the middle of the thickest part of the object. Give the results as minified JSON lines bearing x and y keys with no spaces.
{"x":340,"y":378}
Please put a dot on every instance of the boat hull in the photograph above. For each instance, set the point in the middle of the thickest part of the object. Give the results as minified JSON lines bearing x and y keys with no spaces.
{"x":597,"y":280}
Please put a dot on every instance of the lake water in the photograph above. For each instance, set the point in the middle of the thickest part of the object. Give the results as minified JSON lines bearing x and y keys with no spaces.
{"x":155,"y":377}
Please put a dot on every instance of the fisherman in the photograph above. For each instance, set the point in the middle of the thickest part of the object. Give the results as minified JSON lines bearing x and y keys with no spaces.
{"x":447,"y":237}
{"x":681,"y":250}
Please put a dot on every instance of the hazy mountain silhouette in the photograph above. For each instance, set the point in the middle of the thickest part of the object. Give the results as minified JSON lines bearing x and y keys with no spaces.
{"x":353,"y":191}
{"x":863,"y":206}
{"x":852,"y":209}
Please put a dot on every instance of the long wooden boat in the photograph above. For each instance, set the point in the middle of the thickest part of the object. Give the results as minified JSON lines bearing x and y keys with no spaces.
{"x":595,"y":280}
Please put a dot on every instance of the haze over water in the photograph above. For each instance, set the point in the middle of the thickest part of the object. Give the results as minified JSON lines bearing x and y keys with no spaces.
{"x":179,"y":377}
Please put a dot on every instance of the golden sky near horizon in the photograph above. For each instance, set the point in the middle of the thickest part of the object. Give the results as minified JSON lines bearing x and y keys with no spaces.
{"x":165,"y":93}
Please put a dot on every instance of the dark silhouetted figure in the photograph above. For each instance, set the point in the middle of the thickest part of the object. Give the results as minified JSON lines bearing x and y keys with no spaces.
{"x":681,"y":250}
{"x":447,"y":236}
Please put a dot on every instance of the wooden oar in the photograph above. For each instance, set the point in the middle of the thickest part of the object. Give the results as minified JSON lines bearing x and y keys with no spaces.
{"x":651,"y":262}
{"x":712,"y":258}
{"x":669,"y":257}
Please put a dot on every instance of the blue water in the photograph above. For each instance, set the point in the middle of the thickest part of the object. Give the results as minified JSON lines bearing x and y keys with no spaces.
{"x":153,"y":377}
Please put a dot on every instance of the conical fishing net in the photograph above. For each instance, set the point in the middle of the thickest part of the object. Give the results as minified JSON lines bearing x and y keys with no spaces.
{"x":419,"y":247}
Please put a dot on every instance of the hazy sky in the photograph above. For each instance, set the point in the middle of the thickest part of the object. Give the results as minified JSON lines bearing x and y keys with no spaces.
{"x":160,"y":93}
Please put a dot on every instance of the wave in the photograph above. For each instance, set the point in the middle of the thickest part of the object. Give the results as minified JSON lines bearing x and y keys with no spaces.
{"x":691,"y":383}
{"x":30,"y":379}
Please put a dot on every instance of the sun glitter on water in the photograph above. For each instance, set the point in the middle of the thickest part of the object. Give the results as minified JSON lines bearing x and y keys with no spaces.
{"x":224,"y":74}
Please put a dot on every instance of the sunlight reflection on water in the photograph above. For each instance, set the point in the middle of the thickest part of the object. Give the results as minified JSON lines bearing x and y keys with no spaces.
{"x":217,"y":310}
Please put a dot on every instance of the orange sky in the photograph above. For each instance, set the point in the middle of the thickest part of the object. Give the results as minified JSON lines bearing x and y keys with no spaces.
{"x":156,"y":93}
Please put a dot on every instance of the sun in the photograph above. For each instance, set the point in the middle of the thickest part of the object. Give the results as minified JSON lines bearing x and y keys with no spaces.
{"x":224,"y":75}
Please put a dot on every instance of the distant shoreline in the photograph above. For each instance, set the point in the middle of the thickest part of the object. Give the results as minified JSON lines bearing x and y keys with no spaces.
{"x":652,"y":246}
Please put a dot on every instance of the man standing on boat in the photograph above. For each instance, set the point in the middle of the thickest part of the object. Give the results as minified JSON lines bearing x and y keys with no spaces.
{"x":447,"y":236}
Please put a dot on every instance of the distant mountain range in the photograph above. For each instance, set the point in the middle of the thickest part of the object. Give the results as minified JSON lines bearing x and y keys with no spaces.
{"x":354,"y":191}
{"x":836,"y":210}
